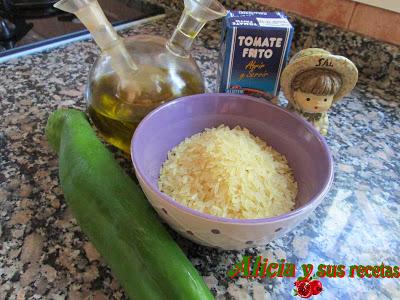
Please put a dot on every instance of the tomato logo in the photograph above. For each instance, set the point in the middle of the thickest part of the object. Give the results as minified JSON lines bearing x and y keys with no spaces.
{"x":316,"y":287}
{"x":307,"y":287}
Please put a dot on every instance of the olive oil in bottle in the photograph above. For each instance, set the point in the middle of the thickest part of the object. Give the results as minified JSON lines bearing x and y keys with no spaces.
{"x":117,"y":118}
{"x":134,"y":75}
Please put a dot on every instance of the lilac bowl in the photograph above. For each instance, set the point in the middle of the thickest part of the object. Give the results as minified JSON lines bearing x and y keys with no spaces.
{"x":305,"y":149}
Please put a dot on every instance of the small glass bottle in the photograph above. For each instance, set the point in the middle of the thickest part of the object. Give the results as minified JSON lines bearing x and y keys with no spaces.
{"x":135,"y":75}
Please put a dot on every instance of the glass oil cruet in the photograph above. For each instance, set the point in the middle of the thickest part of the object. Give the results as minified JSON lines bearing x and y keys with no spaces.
{"x":133,"y":76}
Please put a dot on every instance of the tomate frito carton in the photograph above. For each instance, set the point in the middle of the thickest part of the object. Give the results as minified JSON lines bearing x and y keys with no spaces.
{"x":254,"y":50}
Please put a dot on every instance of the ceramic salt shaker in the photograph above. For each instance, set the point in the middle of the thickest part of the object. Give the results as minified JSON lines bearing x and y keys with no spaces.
{"x":313,"y":80}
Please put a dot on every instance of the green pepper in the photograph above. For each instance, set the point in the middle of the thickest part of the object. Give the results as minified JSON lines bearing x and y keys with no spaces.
{"x":113,"y":212}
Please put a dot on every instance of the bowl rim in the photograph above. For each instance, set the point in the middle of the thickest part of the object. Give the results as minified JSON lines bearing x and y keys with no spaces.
{"x":291,"y":214}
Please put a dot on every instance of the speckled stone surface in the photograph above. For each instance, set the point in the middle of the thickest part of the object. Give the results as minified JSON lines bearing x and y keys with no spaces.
{"x":44,"y":255}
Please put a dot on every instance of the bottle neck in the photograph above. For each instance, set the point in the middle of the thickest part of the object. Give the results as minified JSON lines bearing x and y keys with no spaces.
{"x":92,"y":16}
{"x":184,"y":34}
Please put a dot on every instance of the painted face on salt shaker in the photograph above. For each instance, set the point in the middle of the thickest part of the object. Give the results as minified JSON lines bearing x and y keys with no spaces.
{"x":311,"y":103}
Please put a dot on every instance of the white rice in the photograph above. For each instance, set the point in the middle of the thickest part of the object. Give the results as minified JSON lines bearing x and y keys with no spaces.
{"x":229,"y":173}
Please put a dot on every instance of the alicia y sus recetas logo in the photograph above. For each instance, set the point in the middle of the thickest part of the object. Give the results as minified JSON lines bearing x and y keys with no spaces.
{"x":310,"y":283}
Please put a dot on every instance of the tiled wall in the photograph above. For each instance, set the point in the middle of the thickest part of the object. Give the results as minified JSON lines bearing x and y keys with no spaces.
{"x":372,"y":21}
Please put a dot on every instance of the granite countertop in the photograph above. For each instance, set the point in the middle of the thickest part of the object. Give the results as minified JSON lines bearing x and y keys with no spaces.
{"x":44,"y":255}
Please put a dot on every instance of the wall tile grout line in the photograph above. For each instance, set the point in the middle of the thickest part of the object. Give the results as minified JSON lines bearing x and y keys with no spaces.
{"x":352,"y":14}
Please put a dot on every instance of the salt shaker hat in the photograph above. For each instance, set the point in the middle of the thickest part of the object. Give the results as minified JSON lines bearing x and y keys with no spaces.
{"x":316,"y":58}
